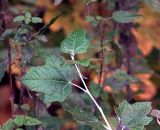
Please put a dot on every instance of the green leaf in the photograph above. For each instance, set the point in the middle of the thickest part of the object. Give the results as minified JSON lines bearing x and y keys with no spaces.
{"x":27,"y":20}
{"x":75,"y":43}
{"x":94,"y":20}
{"x":95,"y":89}
{"x":83,"y":116}
{"x":3,"y":67}
{"x":9,"y":125}
{"x":125,"y":16}
{"x":36,"y":20}
{"x":28,"y":15}
{"x":120,"y":79}
{"x":52,"y":21}
{"x":23,"y":30}
{"x":7,"y":33}
{"x":25,"y":120}
{"x":52,"y":80}
{"x":19,"y":121}
{"x":134,"y":117}
{"x":19,"y":18}
{"x":84,"y":62}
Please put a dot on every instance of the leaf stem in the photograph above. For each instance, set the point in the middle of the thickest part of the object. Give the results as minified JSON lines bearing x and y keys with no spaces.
{"x":108,"y":127}
{"x":78,"y":87}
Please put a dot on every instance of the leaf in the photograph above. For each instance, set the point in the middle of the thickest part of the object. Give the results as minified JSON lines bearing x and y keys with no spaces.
{"x":27,"y":20}
{"x":134,"y":117}
{"x":120,"y":79}
{"x":26,"y":120}
{"x":19,"y":121}
{"x":52,"y":80}
{"x":125,"y":16}
{"x":84,"y":62}
{"x":19,"y":18}
{"x":83,"y":116}
{"x":7,"y":33}
{"x":9,"y":125}
{"x":94,"y":20}
{"x":36,"y":20}
{"x":23,"y":30}
{"x":57,"y":2}
{"x":3,"y":67}
{"x":52,"y":21}
{"x":28,"y":15}
{"x":75,"y":43}
{"x":95,"y":89}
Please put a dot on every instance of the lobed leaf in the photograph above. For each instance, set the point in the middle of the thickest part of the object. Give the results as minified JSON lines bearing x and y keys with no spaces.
{"x":134,"y":116}
{"x":51,"y":80}
{"x":76,"y":42}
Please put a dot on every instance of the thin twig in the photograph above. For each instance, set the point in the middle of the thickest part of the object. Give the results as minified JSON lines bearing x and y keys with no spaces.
{"x":108,"y":127}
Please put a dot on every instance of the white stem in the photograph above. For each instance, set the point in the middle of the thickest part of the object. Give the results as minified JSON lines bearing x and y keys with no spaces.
{"x":78,"y":87}
{"x":88,"y":92}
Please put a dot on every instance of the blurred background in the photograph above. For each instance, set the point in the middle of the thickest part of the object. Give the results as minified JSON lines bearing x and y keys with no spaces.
{"x":146,"y":33}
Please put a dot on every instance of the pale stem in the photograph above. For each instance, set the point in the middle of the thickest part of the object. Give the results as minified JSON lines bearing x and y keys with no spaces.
{"x":78,"y":87}
{"x":88,"y":92}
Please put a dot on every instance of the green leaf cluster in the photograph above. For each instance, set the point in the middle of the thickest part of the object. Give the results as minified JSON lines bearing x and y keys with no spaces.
{"x":27,"y":18}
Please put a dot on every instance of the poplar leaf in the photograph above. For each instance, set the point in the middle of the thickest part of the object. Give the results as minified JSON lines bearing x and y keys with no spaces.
{"x":76,"y":42}
{"x":133,"y":117}
{"x":125,"y":16}
{"x":51,"y":80}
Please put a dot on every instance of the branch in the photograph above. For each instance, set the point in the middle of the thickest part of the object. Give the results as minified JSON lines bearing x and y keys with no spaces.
{"x":108,"y":127}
